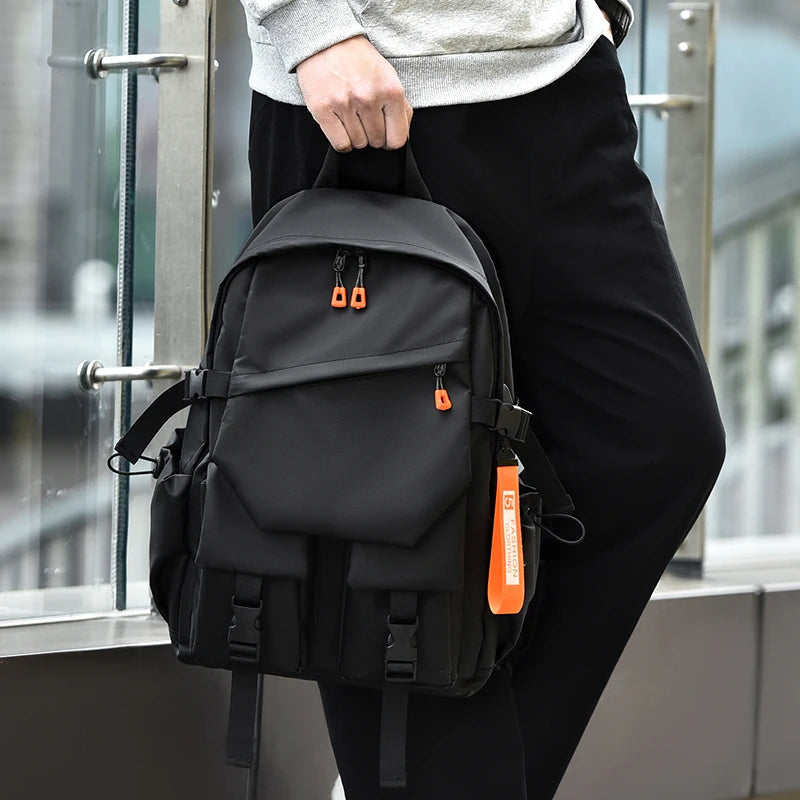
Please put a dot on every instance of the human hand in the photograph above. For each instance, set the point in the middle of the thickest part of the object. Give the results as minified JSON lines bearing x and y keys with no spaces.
{"x":354,"y":94}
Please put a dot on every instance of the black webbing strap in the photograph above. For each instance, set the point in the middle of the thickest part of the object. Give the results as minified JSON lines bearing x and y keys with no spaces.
{"x":242,"y":718}
{"x":394,"y":718}
{"x":244,"y":649}
{"x":538,"y":469}
{"x":197,"y":384}
{"x":401,"y":672}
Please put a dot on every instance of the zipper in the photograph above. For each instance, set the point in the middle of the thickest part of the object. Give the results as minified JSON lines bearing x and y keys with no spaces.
{"x":440,"y":395}
{"x":491,"y":302}
{"x":359,"y":297}
{"x":339,"y":296}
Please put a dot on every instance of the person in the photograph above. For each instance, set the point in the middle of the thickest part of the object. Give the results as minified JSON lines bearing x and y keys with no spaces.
{"x":520,"y":123}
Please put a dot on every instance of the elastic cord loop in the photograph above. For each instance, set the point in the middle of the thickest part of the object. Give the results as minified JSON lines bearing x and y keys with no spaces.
{"x":125,"y":472}
{"x":557,"y":537}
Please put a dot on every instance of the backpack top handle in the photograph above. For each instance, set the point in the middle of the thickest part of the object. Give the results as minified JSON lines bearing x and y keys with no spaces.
{"x":371,"y":169}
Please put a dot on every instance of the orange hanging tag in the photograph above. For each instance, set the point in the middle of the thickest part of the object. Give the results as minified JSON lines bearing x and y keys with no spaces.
{"x":339,"y":297}
{"x":506,"y":590}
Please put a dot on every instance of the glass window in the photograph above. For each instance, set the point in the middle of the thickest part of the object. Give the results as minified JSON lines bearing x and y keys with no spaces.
{"x":754,"y":512}
{"x":754,"y":340}
{"x":60,"y":167}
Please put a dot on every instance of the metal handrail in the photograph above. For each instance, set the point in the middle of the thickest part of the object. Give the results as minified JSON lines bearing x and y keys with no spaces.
{"x":665,"y":102}
{"x":99,"y":63}
{"x":92,"y":374}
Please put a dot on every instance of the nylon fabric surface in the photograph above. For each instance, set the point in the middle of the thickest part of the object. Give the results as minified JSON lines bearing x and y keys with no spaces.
{"x":344,"y":432}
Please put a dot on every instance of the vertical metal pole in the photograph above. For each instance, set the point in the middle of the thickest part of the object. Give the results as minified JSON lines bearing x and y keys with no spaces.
{"x":794,"y":473}
{"x":183,"y":193}
{"x":127,"y":187}
{"x":642,"y":10}
{"x":185,"y":114}
{"x":689,"y":179}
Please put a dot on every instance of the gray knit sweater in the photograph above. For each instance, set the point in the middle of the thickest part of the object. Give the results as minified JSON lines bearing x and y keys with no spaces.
{"x":444,"y":51}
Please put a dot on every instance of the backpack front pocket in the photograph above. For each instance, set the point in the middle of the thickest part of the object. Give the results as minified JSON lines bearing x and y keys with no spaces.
{"x":364,"y":456}
{"x":376,"y":458}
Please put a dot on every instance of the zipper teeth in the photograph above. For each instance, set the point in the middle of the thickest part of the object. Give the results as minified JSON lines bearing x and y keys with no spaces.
{"x":491,"y":302}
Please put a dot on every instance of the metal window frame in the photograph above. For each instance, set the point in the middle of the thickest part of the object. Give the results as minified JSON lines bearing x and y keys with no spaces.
{"x":183,"y":196}
{"x":689,"y":182}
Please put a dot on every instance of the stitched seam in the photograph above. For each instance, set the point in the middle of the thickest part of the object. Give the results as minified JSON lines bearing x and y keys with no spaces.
{"x":346,"y":358}
{"x":446,"y":256}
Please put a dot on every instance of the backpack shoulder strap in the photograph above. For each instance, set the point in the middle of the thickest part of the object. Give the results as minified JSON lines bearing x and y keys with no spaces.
{"x":197,"y":384}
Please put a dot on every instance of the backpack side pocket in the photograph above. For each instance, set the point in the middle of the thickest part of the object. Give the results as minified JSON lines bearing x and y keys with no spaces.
{"x":168,"y":551}
{"x":502,"y":632}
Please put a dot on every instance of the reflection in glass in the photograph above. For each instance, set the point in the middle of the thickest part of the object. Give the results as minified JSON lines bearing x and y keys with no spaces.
{"x":755,"y":339}
{"x":59,"y":157}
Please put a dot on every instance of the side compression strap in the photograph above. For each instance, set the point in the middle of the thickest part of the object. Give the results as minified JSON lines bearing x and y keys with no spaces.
{"x":197,"y":385}
{"x":538,"y":468}
{"x":141,"y":433}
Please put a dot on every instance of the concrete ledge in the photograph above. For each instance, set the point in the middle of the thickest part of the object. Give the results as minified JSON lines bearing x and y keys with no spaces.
{"x":677,"y":719}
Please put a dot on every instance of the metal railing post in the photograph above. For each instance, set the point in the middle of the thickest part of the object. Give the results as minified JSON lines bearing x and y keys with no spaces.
{"x":692,"y":31}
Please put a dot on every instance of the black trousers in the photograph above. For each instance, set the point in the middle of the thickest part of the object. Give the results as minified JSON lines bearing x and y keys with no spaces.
{"x":606,"y":356}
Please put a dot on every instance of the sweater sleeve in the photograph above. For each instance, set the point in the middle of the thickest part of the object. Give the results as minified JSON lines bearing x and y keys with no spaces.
{"x":300,"y":28}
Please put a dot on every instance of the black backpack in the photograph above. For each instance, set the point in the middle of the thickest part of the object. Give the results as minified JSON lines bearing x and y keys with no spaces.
{"x":328,"y":511}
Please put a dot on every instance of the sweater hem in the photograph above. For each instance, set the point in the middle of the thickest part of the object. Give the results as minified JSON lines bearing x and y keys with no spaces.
{"x":453,"y":78}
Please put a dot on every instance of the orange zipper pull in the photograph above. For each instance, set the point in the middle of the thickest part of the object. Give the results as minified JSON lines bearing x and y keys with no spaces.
{"x":339,"y":296}
{"x":359,"y":297}
{"x":440,"y":395}
{"x":506,"y":587}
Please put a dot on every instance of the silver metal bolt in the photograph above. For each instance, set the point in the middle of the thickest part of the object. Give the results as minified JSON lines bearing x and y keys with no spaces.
{"x":93,"y":61}
{"x":688,"y":16}
{"x":180,"y":2}
{"x":687,"y":48}
{"x":86,"y":373}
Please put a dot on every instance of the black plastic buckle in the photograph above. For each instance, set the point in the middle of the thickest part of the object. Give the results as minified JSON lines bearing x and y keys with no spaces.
{"x":194,"y":384}
{"x":512,"y":421}
{"x":401,"y":651}
{"x":244,"y":633}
